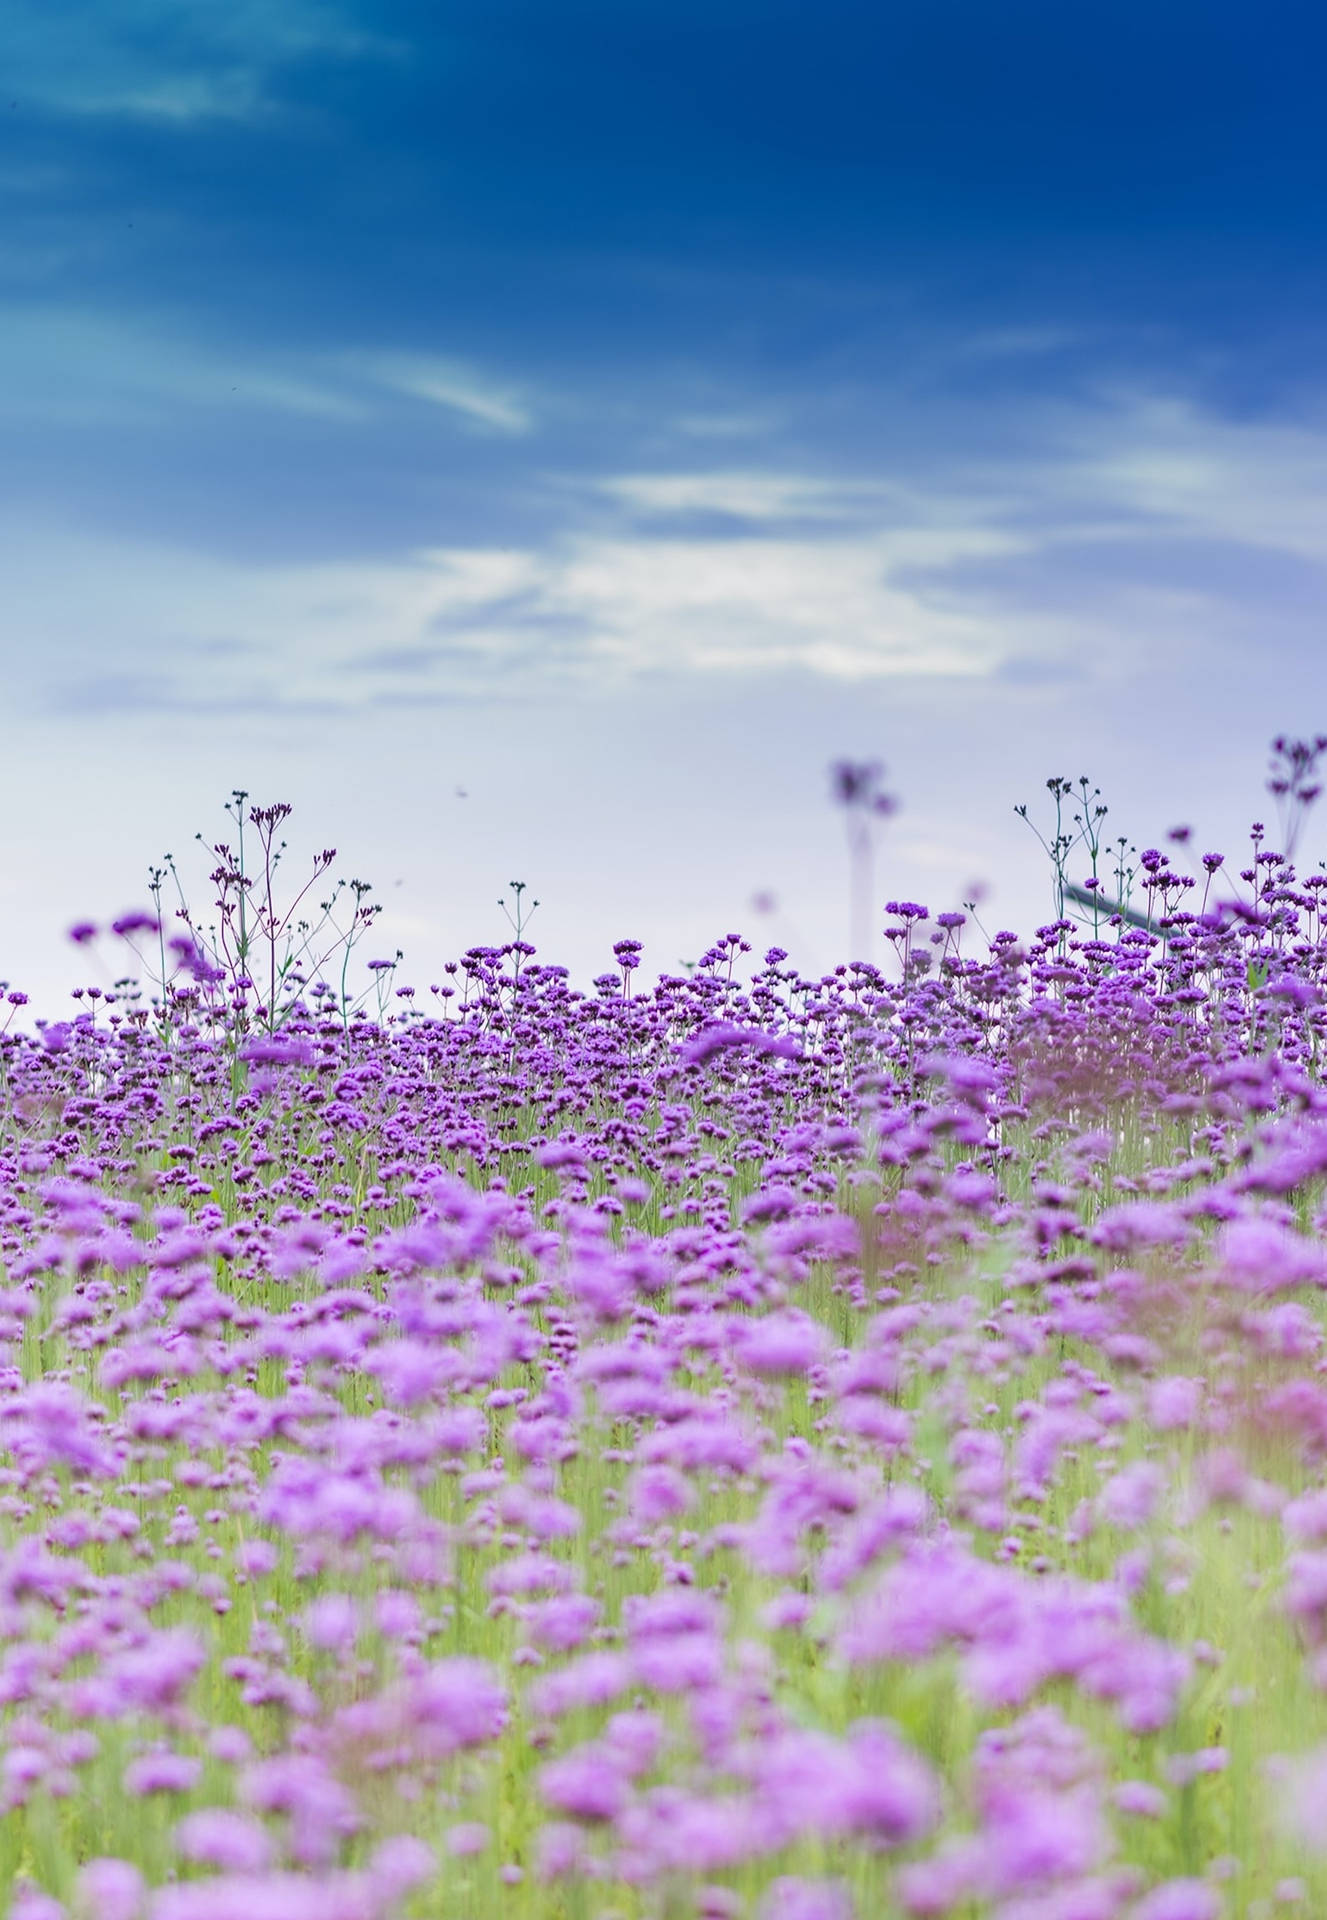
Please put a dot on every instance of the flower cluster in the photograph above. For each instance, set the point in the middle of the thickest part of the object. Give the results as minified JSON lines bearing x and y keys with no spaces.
{"x":772,"y":1447}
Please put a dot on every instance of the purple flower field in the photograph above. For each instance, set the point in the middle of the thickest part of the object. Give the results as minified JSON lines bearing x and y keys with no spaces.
{"x":752,"y":1447}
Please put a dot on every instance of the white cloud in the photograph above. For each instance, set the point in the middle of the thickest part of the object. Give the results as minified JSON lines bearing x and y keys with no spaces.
{"x":66,"y":365}
{"x":750,"y":494}
{"x":178,"y":60}
{"x":475,"y":577}
{"x":451,"y":384}
{"x":756,"y":605}
{"x":235,"y":93}
{"x":63,"y":366}
{"x":465,"y":622}
{"x":1262,"y":483}
{"x":889,"y":589}
{"x":616,"y":649}
{"x":895,"y":577}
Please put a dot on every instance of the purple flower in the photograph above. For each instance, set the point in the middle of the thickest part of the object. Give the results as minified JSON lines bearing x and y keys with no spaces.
{"x":23,"y":1766}
{"x":404,"y":1862}
{"x":162,"y":1773}
{"x":331,"y":1623}
{"x":60,"y":1427}
{"x":528,"y":1573}
{"x":559,"y":1154}
{"x":789,"y":1898}
{"x":772,"y":1203}
{"x":680,"y":1832}
{"x":678,"y":1663}
{"x":1130,"y":1497}
{"x":781,"y":1343}
{"x":929,"y":1888}
{"x":219,"y":1837}
{"x":268,"y":1896}
{"x":461,"y":1701}
{"x":635,"y":1740}
{"x":1306,"y":1590}
{"x":563,"y":1622}
{"x":256,"y":1557}
{"x":30,"y":1903}
{"x":722,"y":1038}
{"x":659,"y":1493}
{"x":1140,"y":1224}
{"x":278,"y":1052}
{"x":592,"y":1680}
{"x":1173,"y":1402}
{"x":319,"y":1808}
{"x":1306,"y":1517}
{"x":467,"y":1838}
{"x":1261,"y":1256}
{"x":1183,"y":1768}
{"x":586,"y":1783}
{"x":157,"y":1675}
{"x":1139,"y":1798}
{"x":560,"y":1850}
{"x":672,"y":1612}
{"x":870,"y":1784}
{"x":1180,"y":1900}
{"x":110,"y":1889}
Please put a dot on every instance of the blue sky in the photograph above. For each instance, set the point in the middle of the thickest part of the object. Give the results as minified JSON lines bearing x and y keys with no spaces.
{"x":535,"y":440}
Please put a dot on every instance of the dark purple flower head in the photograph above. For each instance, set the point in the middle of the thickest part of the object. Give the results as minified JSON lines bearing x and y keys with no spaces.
{"x":722,"y":1038}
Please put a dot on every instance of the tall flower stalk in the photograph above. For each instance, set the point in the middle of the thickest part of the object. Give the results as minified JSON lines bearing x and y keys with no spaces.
{"x":856,"y":788}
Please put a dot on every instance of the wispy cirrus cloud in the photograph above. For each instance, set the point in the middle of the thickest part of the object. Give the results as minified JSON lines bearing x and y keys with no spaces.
{"x":1261,"y":482}
{"x":67,"y":366}
{"x":70,"y":365}
{"x":453,"y":385}
{"x":1017,"y":343}
{"x":183,"y":65}
{"x":749,"y":493}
